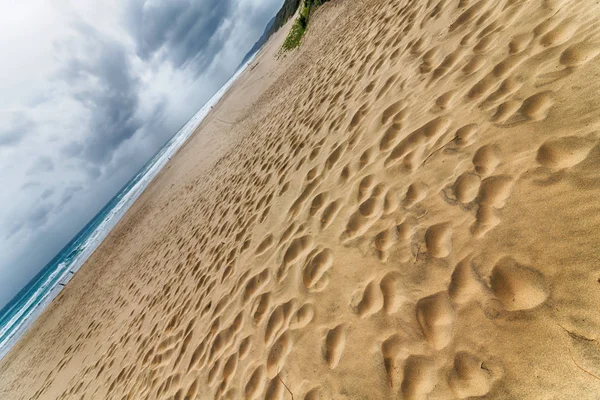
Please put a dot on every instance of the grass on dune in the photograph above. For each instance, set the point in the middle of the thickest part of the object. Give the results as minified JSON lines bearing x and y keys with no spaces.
{"x":294,"y":38}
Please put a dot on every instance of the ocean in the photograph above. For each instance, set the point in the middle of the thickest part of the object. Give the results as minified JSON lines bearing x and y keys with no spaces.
{"x":29,"y":303}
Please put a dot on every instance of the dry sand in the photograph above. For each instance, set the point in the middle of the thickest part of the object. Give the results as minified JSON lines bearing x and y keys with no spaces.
{"x":407,"y":207}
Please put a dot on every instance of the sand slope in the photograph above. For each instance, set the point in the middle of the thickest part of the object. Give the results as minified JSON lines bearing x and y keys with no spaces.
{"x":411,"y":210}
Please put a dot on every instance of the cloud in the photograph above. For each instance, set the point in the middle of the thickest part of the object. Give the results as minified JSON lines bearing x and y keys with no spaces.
{"x":39,"y":215}
{"x":30,"y":185}
{"x":43,"y":164}
{"x":182,"y":30}
{"x":13,"y":229}
{"x":47,"y":193}
{"x":99,"y":73}
{"x":15,"y":129}
{"x":68,"y":194}
{"x":72,"y":149}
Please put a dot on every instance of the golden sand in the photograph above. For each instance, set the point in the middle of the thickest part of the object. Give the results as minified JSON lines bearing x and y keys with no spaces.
{"x":406,"y":207}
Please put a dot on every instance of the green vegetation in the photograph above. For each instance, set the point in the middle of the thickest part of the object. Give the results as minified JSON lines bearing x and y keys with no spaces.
{"x":288,"y":9}
{"x":294,"y":38}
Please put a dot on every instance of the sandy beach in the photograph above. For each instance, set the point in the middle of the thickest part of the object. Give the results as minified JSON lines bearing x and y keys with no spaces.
{"x":406,"y":207}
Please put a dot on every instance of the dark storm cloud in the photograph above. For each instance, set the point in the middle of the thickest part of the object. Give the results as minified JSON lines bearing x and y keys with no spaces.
{"x":187,"y":32}
{"x":102,"y":82}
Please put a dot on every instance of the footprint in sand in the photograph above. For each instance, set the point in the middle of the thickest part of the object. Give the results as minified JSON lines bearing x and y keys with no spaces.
{"x":470,"y":377}
{"x":245,"y":346}
{"x":313,"y":394}
{"x":506,"y":110}
{"x":229,"y":368}
{"x":256,"y":383}
{"x":214,"y":372}
{"x":474,"y":64}
{"x":419,"y":377}
{"x":367,"y":157}
{"x":317,"y":204}
{"x":438,"y":239}
{"x":485,"y":220}
{"x":275,"y":325}
{"x":579,"y":53}
{"x":303,"y":316}
{"x":367,"y":214}
{"x":390,"y":137}
{"x":335,"y":342}
{"x":466,"y":187}
{"x":436,"y":316}
{"x":197,"y":359}
{"x":392,"y":111}
{"x":330,"y":212}
{"x":279,"y":321}
{"x":486,"y":160}
{"x":466,"y":135}
{"x":255,"y":284}
{"x":391,"y":349}
{"x":416,"y":192}
{"x":317,"y":267}
{"x":564,"y":152}
{"x":495,"y":191}
{"x":560,"y":34}
{"x":192,"y":390}
{"x":265,"y":244}
{"x":365,"y":187}
{"x":464,"y":282}
{"x":297,"y":249}
{"x":538,"y":106}
{"x":520,"y":42}
{"x":412,"y":146}
{"x":368,"y":301}
{"x":390,"y":289}
{"x":278,"y":353}
{"x":518,"y":287}
{"x":261,"y":306}
{"x":384,"y":241}
{"x":275,"y":389}
{"x":391,"y":202}
{"x":374,"y":204}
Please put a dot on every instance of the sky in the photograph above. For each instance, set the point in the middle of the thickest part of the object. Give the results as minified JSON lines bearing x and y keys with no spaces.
{"x":89,"y":92}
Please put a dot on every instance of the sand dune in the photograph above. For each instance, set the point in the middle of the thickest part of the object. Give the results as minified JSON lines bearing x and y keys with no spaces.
{"x":407,"y":207}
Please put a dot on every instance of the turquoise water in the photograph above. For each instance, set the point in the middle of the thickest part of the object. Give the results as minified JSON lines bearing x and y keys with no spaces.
{"x":27,"y":305}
